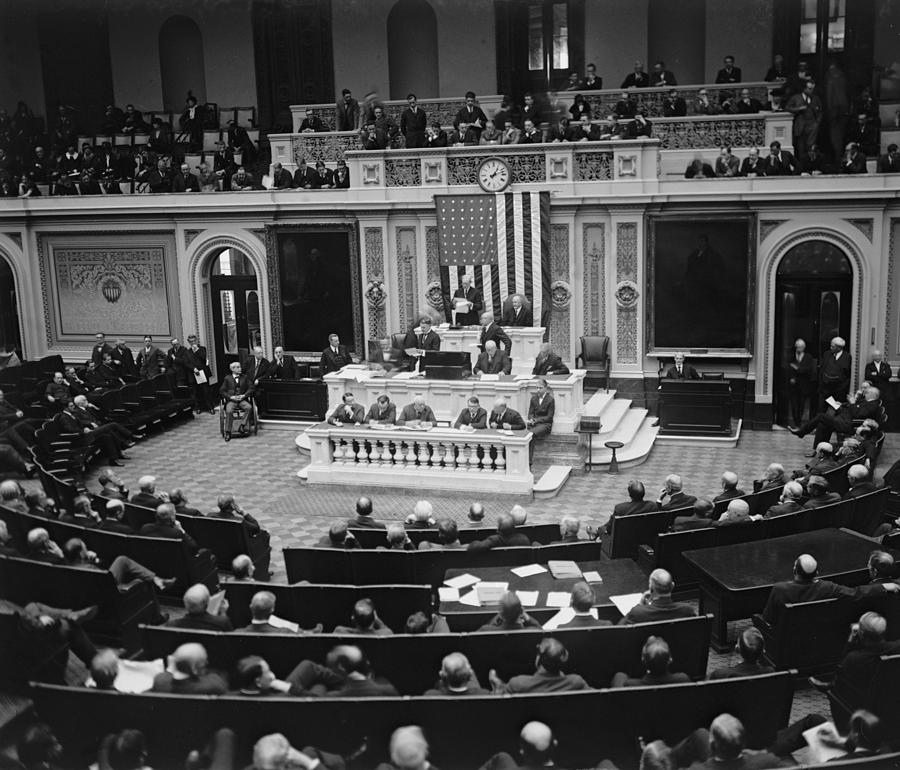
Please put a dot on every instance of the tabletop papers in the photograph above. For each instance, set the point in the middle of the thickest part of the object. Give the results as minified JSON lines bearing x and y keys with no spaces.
{"x":558,"y":598}
{"x":528,"y":598}
{"x":564,"y":569}
{"x":470,"y":599}
{"x":564,"y":616}
{"x":528,"y":570}
{"x":448,"y":594}
{"x":626,"y":602}
{"x":462,"y":581}
{"x":592,"y":576}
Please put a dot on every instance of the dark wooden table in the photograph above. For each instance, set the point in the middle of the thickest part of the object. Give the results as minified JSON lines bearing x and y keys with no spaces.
{"x":735,"y":580}
{"x":620,"y":576}
{"x":301,"y":400}
{"x":695,"y":407}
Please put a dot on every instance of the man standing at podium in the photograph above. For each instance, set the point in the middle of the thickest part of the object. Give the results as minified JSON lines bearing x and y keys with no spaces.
{"x":467,"y":302}
{"x":335,"y":357}
{"x":681,"y":371}
{"x":426,"y":339}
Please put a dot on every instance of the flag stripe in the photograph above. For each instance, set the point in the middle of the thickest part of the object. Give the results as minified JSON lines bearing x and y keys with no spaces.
{"x":523,"y":265}
{"x":504,"y":243}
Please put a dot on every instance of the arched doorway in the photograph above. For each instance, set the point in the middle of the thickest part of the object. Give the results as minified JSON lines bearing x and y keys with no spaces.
{"x":10,"y":334}
{"x":813,"y":302}
{"x":235,"y":308}
{"x":412,"y":49}
{"x":181,"y":63}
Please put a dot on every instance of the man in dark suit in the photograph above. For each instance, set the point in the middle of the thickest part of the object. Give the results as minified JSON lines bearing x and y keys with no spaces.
{"x":541,"y":409}
{"x":505,"y":537}
{"x":805,"y":587}
{"x":147,"y":497}
{"x":582,"y":601}
{"x":517,"y":314}
{"x":198,"y":360}
{"x":671,"y":497}
{"x":124,"y":359}
{"x":416,"y":412}
{"x":491,"y":331}
{"x":412,"y":123}
{"x":167,"y":525}
{"x":729,"y":73}
{"x":834,"y":373}
{"x":680,"y":370}
{"x":878,"y":371}
{"x":752,"y":165}
{"x":383,"y":411}
{"x":101,"y":346}
{"x":503,"y":417}
{"x":799,"y":371}
{"x":730,"y":488}
{"x":150,"y":359}
{"x":185,"y":181}
{"x":349,"y":412}
{"x":853,"y":162}
{"x":788,"y":502}
{"x":751,"y":647}
{"x":806,"y":107}
{"x":547,"y":362}
{"x":657,"y":603}
{"x":660,"y":77}
{"x":636,"y":79}
{"x":179,"y":363}
{"x":335,"y":357}
{"x":700,"y":518}
{"x":257,"y":368}
{"x":779,"y":162}
{"x":635,"y":504}
{"x":281,"y":177}
{"x":262,"y":612}
{"x":492,"y":361}
{"x":426,"y":339}
{"x":674,"y":106}
{"x":860,"y":482}
{"x":472,"y":115}
{"x":198,"y":617}
{"x":469,"y":293}
{"x":304,"y":176}
{"x":227,"y":508}
{"x":113,"y":515}
{"x":889,"y":163}
{"x":236,"y":389}
{"x":283,"y":367}
{"x":346,"y":112}
{"x":74,"y":420}
{"x":364,"y":515}
{"x":473,"y":415}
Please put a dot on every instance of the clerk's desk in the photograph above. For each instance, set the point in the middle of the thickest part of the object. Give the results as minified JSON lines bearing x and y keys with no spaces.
{"x":448,"y":397}
{"x":695,"y":407}
{"x":526,"y":343}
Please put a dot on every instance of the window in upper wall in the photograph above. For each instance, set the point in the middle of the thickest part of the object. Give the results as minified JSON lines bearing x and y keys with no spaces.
{"x":535,"y":37}
{"x":560,"y":36}
{"x":836,"y":21}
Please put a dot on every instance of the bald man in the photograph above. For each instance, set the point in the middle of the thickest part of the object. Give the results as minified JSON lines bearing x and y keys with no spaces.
{"x":198,"y":617}
{"x":187,"y":674}
{"x":537,"y":747}
{"x":656,"y":603}
{"x":804,"y":587}
{"x":730,"y":489}
{"x":737,"y":512}
{"x":788,"y":502}
{"x":548,"y":676}
{"x":416,"y":413}
{"x":860,"y":664}
{"x":456,"y":678}
{"x":492,"y":360}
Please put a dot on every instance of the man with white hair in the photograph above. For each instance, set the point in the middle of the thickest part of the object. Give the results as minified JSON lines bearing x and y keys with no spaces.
{"x":503,"y":417}
{"x":656,"y":603}
{"x":569,"y":527}
{"x":519,"y":514}
{"x":113,"y":516}
{"x":878,"y":371}
{"x":536,"y":749}
{"x":147,"y":496}
{"x":841,"y":421}
{"x":737,"y":512}
{"x":729,"y":488}
{"x":422,"y":516}
{"x":804,"y":587}
{"x":672,"y":497}
{"x":824,"y":460}
{"x":236,"y":390}
{"x":860,"y":482}
{"x":789,"y":502}
{"x":73,"y":419}
{"x":773,"y":477}
{"x":257,"y":367}
{"x":801,"y":369}
{"x":516,"y":313}
{"x":681,"y":370}
{"x":198,"y":617}
{"x":834,"y":373}
{"x":274,"y":752}
{"x":492,"y":361}
{"x":417,"y":413}
{"x":468,"y":302}
{"x":187,"y":674}
{"x":11,"y":496}
{"x":283,"y":367}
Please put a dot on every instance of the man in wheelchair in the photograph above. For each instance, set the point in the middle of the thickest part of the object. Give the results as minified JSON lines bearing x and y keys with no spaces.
{"x":236,"y":392}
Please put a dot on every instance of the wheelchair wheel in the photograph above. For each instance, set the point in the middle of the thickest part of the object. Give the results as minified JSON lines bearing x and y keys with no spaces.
{"x":222,"y":418}
{"x":253,"y":422}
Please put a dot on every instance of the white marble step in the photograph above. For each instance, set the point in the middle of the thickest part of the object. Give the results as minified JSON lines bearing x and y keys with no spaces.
{"x":598,"y":402}
{"x":551,"y":481}
{"x":610,"y":420}
{"x":636,"y":450}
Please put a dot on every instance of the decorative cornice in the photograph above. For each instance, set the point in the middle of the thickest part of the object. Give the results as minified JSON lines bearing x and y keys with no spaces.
{"x":766,"y":226}
{"x":189,"y":236}
{"x":865,"y":226}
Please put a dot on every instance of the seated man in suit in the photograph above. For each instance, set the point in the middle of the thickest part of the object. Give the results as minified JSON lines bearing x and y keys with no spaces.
{"x":364,"y":515}
{"x":166,"y":524}
{"x":819,"y":496}
{"x":700,"y":518}
{"x":657,"y":661}
{"x":457,"y":678}
{"x":517,"y":314}
{"x":364,"y":621}
{"x":492,"y":361}
{"x":751,"y":646}
{"x":236,"y":390}
{"x":383,"y":411}
{"x":547,"y":362}
{"x":582,"y":602}
{"x":680,"y":370}
{"x":730,"y":488}
{"x":634,"y":505}
{"x":656,"y":603}
{"x":473,"y":415}
{"x":469,"y":305}
{"x":865,"y":405}
{"x":502,"y":417}
{"x":540,"y":414}
{"x":671,"y":496}
{"x":335,"y":356}
{"x":548,"y":676}
{"x":505,"y":537}
{"x":348,"y":412}
{"x":804,"y":587}
{"x":417,"y":413}
{"x":788,"y":502}
{"x":283,"y":367}
{"x":860,"y":482}
{"x":188,"y":674}
{"x":198,"y":617}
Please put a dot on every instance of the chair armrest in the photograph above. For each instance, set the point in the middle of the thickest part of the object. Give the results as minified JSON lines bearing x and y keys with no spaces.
{"x":646,"y":558}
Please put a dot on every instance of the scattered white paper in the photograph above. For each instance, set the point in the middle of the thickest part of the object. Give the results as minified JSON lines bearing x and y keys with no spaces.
{"x":287,"y":625}
{"x":558,"y":598}
{"x":215,"y":603}
{"x":822,"y":752}
{"x":404,"y":375}
{"x":461,"y":581}
{"x":564,"y":616}
{"x":447,"y":594}
{"x":490,"y":377}
{"x":470,"y":599}
{"x":528,"y":598}
{"x":134,"y":675}
{"x":523,"y":377}
{"x":528,"y":570}
{"x":626,"y":602}
{"x":491,"y":592}
{"x":592,"y":576}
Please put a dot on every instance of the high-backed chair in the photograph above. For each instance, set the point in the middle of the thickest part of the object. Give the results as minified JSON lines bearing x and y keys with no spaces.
{"x":594,"y":356}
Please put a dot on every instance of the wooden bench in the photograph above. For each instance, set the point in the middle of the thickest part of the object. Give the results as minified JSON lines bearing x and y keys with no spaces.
{"x":362,"y":567}
{"x":462,"y":732}
{"x":411,"y":662}
{"x":369,"y":537}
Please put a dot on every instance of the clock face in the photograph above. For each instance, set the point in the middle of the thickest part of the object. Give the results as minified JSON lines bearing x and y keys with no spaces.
{"x":493,"y":175}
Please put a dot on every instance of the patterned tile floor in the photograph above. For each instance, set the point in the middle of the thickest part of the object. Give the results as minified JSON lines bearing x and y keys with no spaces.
{"x":261,"y":470}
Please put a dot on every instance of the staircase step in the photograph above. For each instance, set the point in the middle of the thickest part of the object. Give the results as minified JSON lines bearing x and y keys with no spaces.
{"x":611,"y":418}
{"x":552,"y":480}
{"x":598,"y":402}
{"x":636,"y":451}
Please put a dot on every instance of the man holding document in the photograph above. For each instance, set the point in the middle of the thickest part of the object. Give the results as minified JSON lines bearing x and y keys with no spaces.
{"x":466,"y":304}
{"x":839,"y":417}
{"x":418,"y":343}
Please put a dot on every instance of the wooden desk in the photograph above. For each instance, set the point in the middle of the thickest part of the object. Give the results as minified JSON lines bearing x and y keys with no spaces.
{"x":440,"y":458}
{"x":620,"y":576}
{"x":300,"y":400}
{"x":448,"y":397}
{"x":735,"y":580}
{"x":695,"y":407}
{"x":526,"y":344}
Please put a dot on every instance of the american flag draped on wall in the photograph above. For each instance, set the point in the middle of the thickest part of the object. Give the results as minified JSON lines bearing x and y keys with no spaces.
{"x":502,"y":242}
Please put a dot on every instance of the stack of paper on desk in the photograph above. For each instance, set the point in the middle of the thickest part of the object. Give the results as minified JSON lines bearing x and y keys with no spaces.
{"x":490,"y":592}
{"x":564,"y":569}
{"x":528,"y":570}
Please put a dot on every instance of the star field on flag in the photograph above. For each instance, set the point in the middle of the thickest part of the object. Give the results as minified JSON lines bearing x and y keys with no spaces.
{"x":467,"y":229}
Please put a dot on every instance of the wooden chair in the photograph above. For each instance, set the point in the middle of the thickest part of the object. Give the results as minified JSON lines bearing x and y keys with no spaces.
{"x":594,"y":356}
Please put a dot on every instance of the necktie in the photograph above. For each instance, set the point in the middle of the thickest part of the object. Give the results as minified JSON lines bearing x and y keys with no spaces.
{"x":421,"y":340}
{"x":679,"y":369}
{"x":335,"y":350}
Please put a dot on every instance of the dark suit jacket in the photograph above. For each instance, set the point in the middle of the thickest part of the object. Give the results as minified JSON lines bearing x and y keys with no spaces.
{"x":524,"y":319}
{"x":97,"y":352}
{"x":190,"y":183}
{"x":585,"y":621}
{"x":149,"y":362}
{"x":322,"y":179}
{"x":636,"y":80}
{"x":146,"y":500}
{"x":430,"y":341}
{"x":804,"y":372}
{"x":495,"y":333}
{"x":877,"y":374}
{"x":782,"y":509}
{"x":678,"y":500}
{"x":662,"y":608}
{"x":231,"y":387}
{"x":500,"y":364}
{"x":256,"y":371}
{"x":161,"y":530}
{"x":542,"y":414}
{"x":888,"y":165}
{"x":408,"y":414}
{"x":662,"y":78}
{"x":413,"y":121}
{"x":786,"y":166}
{"x":510,"y":416}
{"x":340,"y":414}
{"x":470,"y":318}
{"x":125,"y":359}
{"x":375,"y":415}
{"x":286,"y":370}
{"x":685,"y":523}
{"x":834,"y":374}
{"x":331,"y":362}
{"x":791,"y":592}
{"x":746,"y":169}
{"x":724,"y":76}
{"x":551,"y":364}
{"x":688,"y":372}
{"x":498,"y":541}
{"x":113,"y":525}
{"x":465,"y":418}
{"x":365,"y":522}
{"x":202,"y":622}
{"x":304,"y":177}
